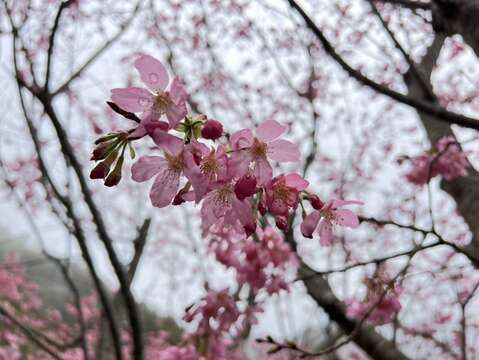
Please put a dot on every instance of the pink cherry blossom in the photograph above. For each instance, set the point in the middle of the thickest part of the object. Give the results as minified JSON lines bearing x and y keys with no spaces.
{"x":282,"y":195}
{"x":449,"y":162}
{"x":205,"y":167}
{"x":261,"y":263}
{"x":155,"y":101}
{"x":329,"y":215}
{"x":379,"y":313}
{"x":168,"y":170}
{"x":218,"y":306}
{"x":257,"y":150}
{"x":221,"y":208}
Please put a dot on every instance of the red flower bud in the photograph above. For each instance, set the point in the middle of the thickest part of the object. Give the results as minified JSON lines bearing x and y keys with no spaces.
{"x":249,"y":229}
{"x":101,"y":151}
{"x":245,"y":186}
{"x":282,"y":223}
{"x":115,"y":176}
{"x":100,"y":171}
{"x":212,"y":130}
{"x":316,"y":202}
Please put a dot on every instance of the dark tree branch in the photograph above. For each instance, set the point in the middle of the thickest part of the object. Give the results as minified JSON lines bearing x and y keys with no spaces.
{"x":51,"y":43}
{"x":410,"y":4}
{"x":97,"y":53}
{"x":139,"y":244}
{"x":438,"y":112}
{"x":425,"y":86}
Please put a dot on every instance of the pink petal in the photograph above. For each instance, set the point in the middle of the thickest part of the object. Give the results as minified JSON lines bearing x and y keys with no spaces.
{"x":168,"y":142}
{"x":310,"y":223}
{"x":238,"y":164}
{"x":283,"y":151}
{"x":296,"y":181}
{"x":146,"y":167}
{"x":269,"y":130}
{"x":164,"y":189}
{"x":176,"y":113}
{"x":193,"y":173}
{"x":177,"y":91}
{"x":262,"y":171}
{"x":241,"y":139}
{"x":325,"y":232}
{"x":152,"y":73}
{"x":243,"y":211}
{"x":338,"y":203}
{"x":133,"y":99}
{"x":346,"y":217}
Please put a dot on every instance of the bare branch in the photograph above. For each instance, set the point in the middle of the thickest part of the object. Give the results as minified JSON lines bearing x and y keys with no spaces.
{"x":438,"y":112}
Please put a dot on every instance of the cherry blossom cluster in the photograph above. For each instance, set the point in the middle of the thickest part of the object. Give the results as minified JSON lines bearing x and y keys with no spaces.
{"x":446,"y":159}
{"x":231,"y":178}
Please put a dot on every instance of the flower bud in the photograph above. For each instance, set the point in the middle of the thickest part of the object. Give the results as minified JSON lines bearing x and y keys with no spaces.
{"x":249,"y":228}
{"x":212,"y":130}
{"x":101,"y":151}
{"x":282,"y":223}
{"x":115,"y":176}
{"x":245,"y":186}
{"x":316,"y":202}
{"x":101,"y":170}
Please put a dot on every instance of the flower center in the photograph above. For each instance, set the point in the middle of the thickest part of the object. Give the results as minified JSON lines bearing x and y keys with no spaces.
{"x":258,"y":149}
{"x":281,"y":192}
{"x":328,"y":215}
{"x":209,"y":167}
{"x":224,"y":195}
{"x":161,"y":102}
{"x":175,"y":163}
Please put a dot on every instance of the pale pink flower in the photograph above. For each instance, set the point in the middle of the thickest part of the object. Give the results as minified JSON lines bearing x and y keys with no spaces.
{"x":168,"y":170}
{"x":205,"y":167}
{"x":156,"y":101}
{"x":258,"y":149}
{"x":221,"y":208}
{"x":329,"y":215}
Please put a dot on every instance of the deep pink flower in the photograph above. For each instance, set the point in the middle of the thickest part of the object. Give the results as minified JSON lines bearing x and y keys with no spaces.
{"x":257,"y":150}
{"x":168,"y":170}
{"x":156,"y":101}
{"x":421,"y":170}
{"x":260,"y":263}
{"x":216,"y":313}
{"x":449,"y":162}
{"x":328,"y":216}
{"x":382,"y":313}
